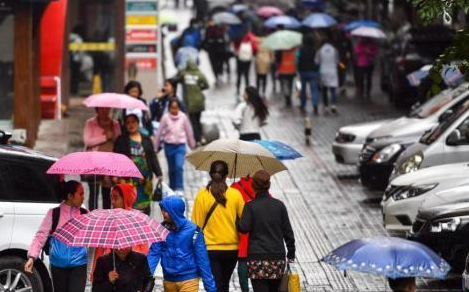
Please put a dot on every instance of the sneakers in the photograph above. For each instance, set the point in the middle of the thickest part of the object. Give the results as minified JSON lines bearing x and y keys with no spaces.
{"x":334,"y":109}
{"x":315,"y":110}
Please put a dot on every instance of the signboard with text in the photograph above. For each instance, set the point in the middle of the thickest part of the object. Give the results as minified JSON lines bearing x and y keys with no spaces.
{"x":141,"y":35}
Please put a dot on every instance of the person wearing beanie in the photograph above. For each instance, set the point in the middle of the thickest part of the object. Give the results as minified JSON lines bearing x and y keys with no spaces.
{"x":122,"y":196}
{"x":267,"y":222}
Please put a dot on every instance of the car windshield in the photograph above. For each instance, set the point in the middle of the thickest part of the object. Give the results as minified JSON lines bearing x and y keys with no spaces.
{"x":436,"y":132}
{"x":437,"y":102}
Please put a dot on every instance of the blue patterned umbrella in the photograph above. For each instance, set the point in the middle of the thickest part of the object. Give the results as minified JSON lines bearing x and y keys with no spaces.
{"x":391,"y":257}
{"x":184,"y":55}
{"x":358,"y":23}
{"x":319,"y":20}
{"x":285,"y":20}
{"x":279,"y":149}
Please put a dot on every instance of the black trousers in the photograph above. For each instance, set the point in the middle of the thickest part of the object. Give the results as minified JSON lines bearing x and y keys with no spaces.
{"x":265,"y":285}
{"x":364,"y":75}
{"x":94,"y":195}
{"x":286,"y":82}
{"x":242,"y":69}
{"x":223,"y":263}
{"x":261,"y":78}
{"x":196,"y":125}
{"x":250,"y":137}
{"x":69,"y":279}
{"x":216,"y":60}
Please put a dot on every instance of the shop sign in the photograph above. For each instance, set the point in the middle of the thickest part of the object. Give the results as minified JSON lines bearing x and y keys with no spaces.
{"x":141,"y":20}
{"x":141,"y":6}
{"x":141,"y":35}
{"x":142,"y":63}
{"x":141,"y":48}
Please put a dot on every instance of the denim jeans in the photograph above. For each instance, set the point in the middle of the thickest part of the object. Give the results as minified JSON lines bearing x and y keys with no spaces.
{"x":311,"y":78}
{"x":175,"y":154}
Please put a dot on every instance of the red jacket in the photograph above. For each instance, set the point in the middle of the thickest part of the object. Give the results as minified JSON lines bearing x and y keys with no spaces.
{"x":245,"y":188}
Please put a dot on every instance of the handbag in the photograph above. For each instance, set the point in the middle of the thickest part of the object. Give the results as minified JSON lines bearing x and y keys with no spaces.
{"x":158,"y":192}
{"x":283,"y":287}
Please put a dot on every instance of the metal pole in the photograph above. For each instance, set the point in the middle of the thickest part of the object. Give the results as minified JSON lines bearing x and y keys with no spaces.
{"x":159,"y":47}
{"x":95,"y":199}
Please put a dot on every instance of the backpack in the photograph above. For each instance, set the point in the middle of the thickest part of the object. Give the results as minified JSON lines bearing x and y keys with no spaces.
{"x":245,"y":53}
{"x":191,"y":39}
{"x":55,"y":222}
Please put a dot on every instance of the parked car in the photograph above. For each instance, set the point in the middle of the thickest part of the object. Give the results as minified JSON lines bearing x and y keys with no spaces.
{"x":445,"y":229}
{"x":349,"y":141}
{"x":26,"y":194}
{"x":384,"y":145}
{"x":446,"y":143}
{"x":406,"y":194}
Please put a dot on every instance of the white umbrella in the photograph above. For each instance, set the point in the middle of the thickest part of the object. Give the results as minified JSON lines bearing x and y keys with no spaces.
{"x":226,"y":18}
{"x":243,"y":158}
{"x":369,"y":32}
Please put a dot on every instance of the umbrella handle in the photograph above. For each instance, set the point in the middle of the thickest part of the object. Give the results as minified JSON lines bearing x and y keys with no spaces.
{"x":114,"y":259}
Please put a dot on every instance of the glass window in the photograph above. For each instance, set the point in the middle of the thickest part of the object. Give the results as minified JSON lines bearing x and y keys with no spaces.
{"x":6,"y":59}
{"x":23,"y":180}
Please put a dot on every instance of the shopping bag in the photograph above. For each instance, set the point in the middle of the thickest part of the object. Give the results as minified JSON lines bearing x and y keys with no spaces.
{"x":155,"y":213}
{"x":293,"y":279}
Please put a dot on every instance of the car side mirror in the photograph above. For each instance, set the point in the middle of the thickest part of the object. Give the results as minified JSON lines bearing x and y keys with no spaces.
{"x":445,"y":115}
{"x":453,"y":138}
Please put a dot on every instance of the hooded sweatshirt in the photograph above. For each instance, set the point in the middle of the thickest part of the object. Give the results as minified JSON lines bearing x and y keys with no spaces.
{"x":175,"y":129}
{"x":183,"y":255}
{"x":193,"y":83}
{"x":128,"y":196}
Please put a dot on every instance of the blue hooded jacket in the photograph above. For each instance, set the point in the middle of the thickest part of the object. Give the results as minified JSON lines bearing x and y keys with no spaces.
{"x":184,"y":254}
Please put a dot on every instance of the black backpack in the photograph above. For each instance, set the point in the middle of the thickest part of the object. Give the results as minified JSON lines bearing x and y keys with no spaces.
{"x":55,"y":222}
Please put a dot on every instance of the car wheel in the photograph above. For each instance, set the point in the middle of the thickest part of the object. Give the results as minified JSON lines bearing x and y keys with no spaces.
{"x":13,"y":278}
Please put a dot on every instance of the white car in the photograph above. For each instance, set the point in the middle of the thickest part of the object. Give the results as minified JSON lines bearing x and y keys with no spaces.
{"x":406,"y":194}
{"x":26,"y":194}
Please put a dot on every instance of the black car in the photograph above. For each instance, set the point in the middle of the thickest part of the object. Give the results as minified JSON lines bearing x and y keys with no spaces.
{"x":445,"y":229}
{"x":377,"y":158}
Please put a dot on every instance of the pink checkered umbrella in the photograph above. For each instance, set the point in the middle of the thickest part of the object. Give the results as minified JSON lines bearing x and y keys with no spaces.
{"x":111,"y":228}
{"x":95,"y":162}
{"x":114,"y":100}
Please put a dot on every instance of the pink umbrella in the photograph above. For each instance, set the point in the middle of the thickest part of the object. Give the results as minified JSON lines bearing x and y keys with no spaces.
{"x":111,"y":228}
{"x":114,"y":100}
{"x":95,"y":162}
{"x":268,"y":11}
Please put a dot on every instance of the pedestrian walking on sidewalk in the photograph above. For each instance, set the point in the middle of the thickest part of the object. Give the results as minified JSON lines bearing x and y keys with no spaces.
{"x":215,"y":45}
{"x":402,"y":284}
{"x":267,"y":222}
{"x":160,"y":104}
{"x":191,"y":36}
{"x":309,"y":72}
{"x":139,"y":148}
{"x":122,"y":196}
{"x":99,"y":134}
{"x":67,"y":264}
{"x":216,"y":208}
{"x":134,"y":89}
{"x":183,"y":255}
{"x":175,"y":132}
{"x":123,"y":271}
{"x":193,"y":83}
{"x":328,"y":59}
{"x":286,"y":71}
{"x":250,"y":115}
{"x":365,"y":54}
{"x":264,"y":60}
{"x":245,"y":51}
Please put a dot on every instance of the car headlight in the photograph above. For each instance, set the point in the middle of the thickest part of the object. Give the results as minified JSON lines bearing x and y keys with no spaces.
{"x":371,"y":140}
{"x":448,"y":224}
{"x":412,"y":191}
{"x":412,"y":164}
{"x":344,"y":138}
{"x":386,"y":153}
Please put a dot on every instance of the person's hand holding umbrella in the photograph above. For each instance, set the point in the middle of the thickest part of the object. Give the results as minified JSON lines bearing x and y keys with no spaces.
{"x":113,"y":276}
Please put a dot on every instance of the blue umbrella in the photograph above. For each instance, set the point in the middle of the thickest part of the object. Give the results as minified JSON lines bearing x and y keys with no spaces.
{"x":285,"y":20}
{"x":319,"y":20}
{"x":279,"y":149}
{"x":315,"y":4}
{"x":391,"y":257}
{"x":358,"y":23}
{"x":186,"y":54}
{"x":239,"y":8}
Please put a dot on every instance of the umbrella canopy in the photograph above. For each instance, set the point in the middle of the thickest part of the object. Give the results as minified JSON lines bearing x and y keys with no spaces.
{"x":239,"y":8}
{"x":243,"y":158}
{"x":111,"y":228}
{"x":416,"y":77}
{"x":279,"y":150}
{"x":283,"y":20}
{"x":391,"y":257}
{"x":319,"y":20}
{"x":186,"y":54}
{"x":226,"y":18}
{"x":283,"y":40}
{"x":359,"y":23}
{"x":269,"y":11}
{"x":114,"y":100}
{"x":95,"y":162}
{"x":369,"y":32}
{"x":313,"y":4}
{"x":165,"y":18}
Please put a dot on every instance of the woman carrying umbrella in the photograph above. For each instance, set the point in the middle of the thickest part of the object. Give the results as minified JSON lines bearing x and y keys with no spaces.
{"x":139,"y":148}
{"x":68,"y":264}
{"x":365,"y":53}
{"x":250,"y":115}
{"x":328,"y":59}
{"x":99,"y":135}
{"x":215,"y":210}
{"x":267,"y":222}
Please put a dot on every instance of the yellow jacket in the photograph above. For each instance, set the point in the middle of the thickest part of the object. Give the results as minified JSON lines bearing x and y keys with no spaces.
{"x":220,"y":232}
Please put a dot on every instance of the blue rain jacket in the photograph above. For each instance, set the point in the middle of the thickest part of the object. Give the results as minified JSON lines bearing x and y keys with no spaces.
{"x":64,"y":256}
{"x":184,"y":254}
